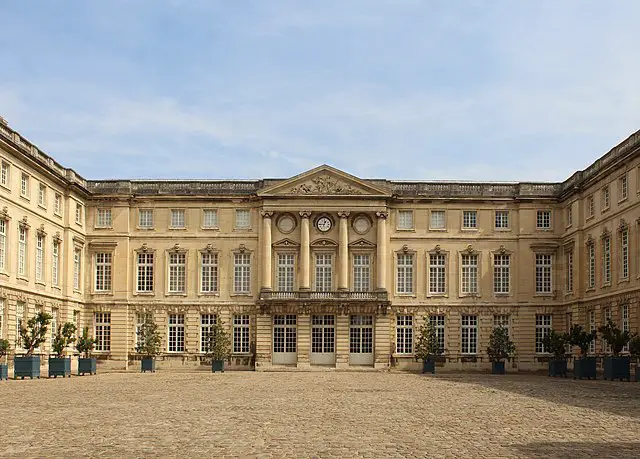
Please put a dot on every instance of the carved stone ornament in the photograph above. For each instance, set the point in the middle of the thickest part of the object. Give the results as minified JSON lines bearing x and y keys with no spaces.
{"x":437,"y":249}
{"x":266,"y":213}
{"x":343,"y":214}
{"x":405,"y":248}
{"x":209,"y":248}
{"x":623,"y":225}
{"x":382,"y":215}
{"x":144,"y":248}
{"x":605,"y":233}
{"x":56,"y":238}
{"x":502,"y":250}
{"x":4,"y":214}
{"x":305,"y":213}
{"x":325,"y":184}
{"x":469,"y":250}
{"x":242,"y":248}
{"x":41,"y":231}
{"x":24,"y":223}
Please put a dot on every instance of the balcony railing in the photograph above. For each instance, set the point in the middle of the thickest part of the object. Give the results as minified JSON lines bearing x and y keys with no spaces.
{"x":324,"y":296}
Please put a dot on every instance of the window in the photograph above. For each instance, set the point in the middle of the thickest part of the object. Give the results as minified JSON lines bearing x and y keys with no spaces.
{"x":543,"y":219}
{"x":362,"y":273}
{"x":42,"y":195}
{"x":543,"y":273}
{"x":469,"y":334}
{"x":242,"y":273}
{"x":241,"y":334}
{"x":469,"y":273}
{"x":624,"y":254}
{"x":591,"y":207}
{"x":592,"y":328}
{"x":243,"y":218}
{"x":206,"y":323}
{"x":40,"y":257}
{"x":20,"y":310}
{"x":437,"y":219}
{"x":210,"y":218}
{"x":591,"y":275}
{"x":77,"y":266}
{"x":103,"y":272}
{"x":606,"y":347}
{"x":54,"y":324}
{"x":569,"y":215}
{"x":404,"y":335}
{"x":177,"y":218}
{"x":145,"y":272}
{"x":176,"y":333}
{"x":1,"y":317}
{"x":624,"y":313}
{"x":141,"y":318}
{"x":437,"y":273}
{"x":623,"y":188}
{"x":285,"y":272}
{"x":405,"y":219}
{"x":78,"y":214}
{"x":75,"y":320}
{"x":209,"y":272}
{"x":145,"y":218}
{"x":543,"y":328}
{"x":4,"y":174}
{"x":24,"y":186}
{"x":502,"y":320}
{"x":3,"y":244}
{"x":469,"y":219}
{"x":103,"y":331}
{"x":22,"y":250}
{"x":437,"y":322}
{"x":606,"y":198}
{"x":405,"y":274}
{"x":57,"y":204}
{"x":502,"y":219}
{"x":569,"y":268}
{"x":324,"y":270}
{"x":606,"y":260}
{"x":285,"y":333}
{"x":55,"y":263}
{"x":103,"y":219}
{"x":177,"y":272}
{"x":501,"y":273}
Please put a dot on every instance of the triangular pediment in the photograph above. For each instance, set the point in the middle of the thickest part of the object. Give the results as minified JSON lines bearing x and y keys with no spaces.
{"x":323,"y":243}
{"x":362,"y":243}
{"x":325,"y":181}
{"x":286,"y":243}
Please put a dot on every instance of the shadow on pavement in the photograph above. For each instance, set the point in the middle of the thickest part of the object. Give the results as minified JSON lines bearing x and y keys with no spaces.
{"x":576,"y":450}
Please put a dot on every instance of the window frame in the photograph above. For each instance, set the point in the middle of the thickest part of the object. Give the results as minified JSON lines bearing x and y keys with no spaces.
{"x":461,"y":273}
{"x":236,"y":220}
{"x":107,"y":215}
{"x":107,"y":272}
{"x":175,"y":212}
{"x":5,"y":174}
{"x":147,"y":266}
{"x":406,"y":254}
{"x":541,"y":268}
{"x":542,"y":329}
{"x":544,"y":220}
{"x":214,"y":266}
{"x":216,"y":224}
{"x":241,"y":334}
{"x":245,"y":277}
{"x":623,"y":187}
{"x":499,"y":270}
{"x":400,"y":221}
{"x":444,"y":220}
{"x":25,"y":186}
{"x":143,"y":211}
{"x":464,"y":224}
{"x":176,"y":335}
{"x":404,"y":334}
{"x":102,"y":331}
{"x":473,"y":331}
{"x":42,"y":195}
{"x":440,"y":270}
{"x":504,"y":213}
{"x":177,"y":267}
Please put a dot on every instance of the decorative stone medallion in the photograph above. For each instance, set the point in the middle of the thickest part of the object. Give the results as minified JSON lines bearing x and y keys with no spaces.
{"x":286,"y":224}
{"x":361,"y":224}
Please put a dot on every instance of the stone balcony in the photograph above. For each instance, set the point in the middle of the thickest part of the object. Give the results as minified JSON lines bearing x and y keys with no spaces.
{"x":314,"y":302}
{"x":310,"y":295}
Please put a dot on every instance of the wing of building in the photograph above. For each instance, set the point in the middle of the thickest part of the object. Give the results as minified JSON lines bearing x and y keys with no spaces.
{"x":323,"y":268}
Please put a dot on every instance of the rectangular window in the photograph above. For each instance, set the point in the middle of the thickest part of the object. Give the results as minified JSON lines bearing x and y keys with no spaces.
{"x":543,"y":219}
{"x":469,"y":273}
{"x":103,"y":218}
{"x":24,"y":186}
{"x":606,"y":347}
{"x":437,"y":322}
{"x":206,"y":323}
{"x":606,"y":260}
{"x":569,"y":268}
{"x":437,"y":220}
{"x":42,"y":195}
{"x":77,"y":266}
{"x":286,"y":269}
{"x":469,"y":334}
{"x":405,"y":219}
{"x":22,"y":251}
{"x":177,"y":272}
{"x":20,"y":311}
{"x":606,"y":198}
{"x":502,"y":320}
{"x":75,"y":320}
{"x":543,"y":328}
{"x":501,"y":273}
{"x":437,"y":273}
{"x":4,"y":174}
{"x":3,"y":245}
{"x":241,"y":334}
{"x":404,"y":335}
{"x":592,"y":328}
{"x":209,"y":272}
{"x":55,"y":263}
{"x":145,"y":218}
{"x":103,"y":272}
{"x":242,"y":273}
{"x":624,"y":254}
{"x":324,"y":271}
{"x":78,"y":214}
{"x":176,"y":333}
{"x":210,"y":218}
{"x":543,"y":273}
{"x":54,"y":324}
{"x":57,"y":204}
{"x":502,"y":219}
{"x":624,"y":314}
{"x":591,"y":207}
{"x":405,"y":274}
{"x":362,"y":273}
{"x":103,"y":331}
{"x":623,"y":188}
{"x":569,"y":215}
{"x":177,"y":218}
{"x":469,"y":219}
{"x":40,"y":258}
{"x":145,"y":272}
{"x":591,"y":277}
{"x":1,"y":317}
{"x":243,"y":218}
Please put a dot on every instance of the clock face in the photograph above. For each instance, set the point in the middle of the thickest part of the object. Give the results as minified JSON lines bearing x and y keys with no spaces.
{"x":324,"y":224}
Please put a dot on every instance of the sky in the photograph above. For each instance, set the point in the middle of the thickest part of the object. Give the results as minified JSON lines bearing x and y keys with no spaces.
{"x":398,"y":89}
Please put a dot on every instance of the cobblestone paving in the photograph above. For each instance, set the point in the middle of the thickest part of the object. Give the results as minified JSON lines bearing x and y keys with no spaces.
{"x":319,"y":414}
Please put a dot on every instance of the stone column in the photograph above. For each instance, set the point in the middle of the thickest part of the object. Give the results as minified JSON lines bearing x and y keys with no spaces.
{"x":382,"y":251}
{"x":266,"y":250}
{"x":343,"y":252}
{"x":305,"y":279}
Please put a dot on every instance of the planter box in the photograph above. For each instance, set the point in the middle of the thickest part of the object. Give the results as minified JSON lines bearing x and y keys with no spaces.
{"x":558,"y":368}
{"x":148,"y":365}
{"x":26,"y":367}
{"x":498,"y":368}
{"x":617,"y":368}
{"x":87,"y":365}
{"x":59,"y":366}
{"x":429,"y":366}
{"x":584,"y":367}
{"x":4,"y":371}
{"x":217,"y":365}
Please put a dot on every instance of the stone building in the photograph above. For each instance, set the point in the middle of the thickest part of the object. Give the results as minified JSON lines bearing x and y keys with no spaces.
{"x":323,"y":268}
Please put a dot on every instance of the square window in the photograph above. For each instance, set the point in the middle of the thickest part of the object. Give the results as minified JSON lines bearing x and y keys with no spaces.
{"x":543,"y":219}
{"x":243,"y":218}
{"x":437,"y":219}
{"x":502,"y":219}
{"x":405,"y":219}
{"x":210,"y":218}
{"x":103,"y":218}
{"x":177,"y":218}
{"x":145,"y":218}
{"x":469,"y":219}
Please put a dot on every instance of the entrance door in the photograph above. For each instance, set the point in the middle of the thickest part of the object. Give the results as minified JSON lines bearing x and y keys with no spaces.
{"x":285,"y":336}
{"x":323,"y":340}
{"x":361,"y":340}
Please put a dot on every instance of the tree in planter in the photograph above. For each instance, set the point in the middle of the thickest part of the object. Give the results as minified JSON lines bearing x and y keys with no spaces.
{"x":5,"y":347}
{"x":427,"y":348}
{"x":218,"y":346}
{"x":616,"y":367}
{"x":149,"y":342}
{"x":65,"y":336}
{"x":32,"y":336}
{"x":634,"y":350}
{"x":584,"y":367}
{"x":500,"y":349}
{"x":85,"y":345}
{"x":555,"y":343}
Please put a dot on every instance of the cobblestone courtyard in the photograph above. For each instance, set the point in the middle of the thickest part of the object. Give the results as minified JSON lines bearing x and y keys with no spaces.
{"x":321,"y":414}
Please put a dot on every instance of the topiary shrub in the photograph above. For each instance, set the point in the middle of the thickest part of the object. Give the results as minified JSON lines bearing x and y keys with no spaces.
{"x":65,"y":336}
{"x":34,"y":333}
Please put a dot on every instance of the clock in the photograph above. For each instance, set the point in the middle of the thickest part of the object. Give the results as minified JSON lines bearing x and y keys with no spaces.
{"x":323,"y":224}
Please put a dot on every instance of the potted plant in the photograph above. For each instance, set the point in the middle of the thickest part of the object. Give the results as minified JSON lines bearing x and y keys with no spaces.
{"x":616,"y":366}
{"x":31,"y":336}
{"x":61,"y":365}
{"x":148,"y":344}
{"x":555,"y":343}
{"x":218,"y":346}
{"x":5,"y":347}
{"x":634,"y":350}
{"x":427,"y":348}
{"x":585,"y":366}
{"x":85,"y":344}
{"x":500,"y":349}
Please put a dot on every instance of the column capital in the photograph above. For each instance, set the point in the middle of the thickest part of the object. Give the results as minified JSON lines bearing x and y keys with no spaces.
{"x":305,"y":213}
{"x":343,"y":214}
{"x":382,"y":215}
{"x":266,"y":213}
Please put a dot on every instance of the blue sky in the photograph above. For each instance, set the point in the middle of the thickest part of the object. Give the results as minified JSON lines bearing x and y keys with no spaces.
{"x":400,"y":89}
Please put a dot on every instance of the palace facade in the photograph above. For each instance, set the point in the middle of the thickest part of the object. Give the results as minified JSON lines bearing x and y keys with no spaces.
{"x":321,"y":269}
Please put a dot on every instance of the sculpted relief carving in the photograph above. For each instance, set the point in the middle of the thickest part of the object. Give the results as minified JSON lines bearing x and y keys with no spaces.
{"x":325,"y":184}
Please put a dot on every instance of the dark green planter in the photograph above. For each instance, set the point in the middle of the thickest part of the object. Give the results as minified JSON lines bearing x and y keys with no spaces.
{"x":217,"y":365}
{"x":558,"y":368}
{"x":429,"y":366}
{"x":148,"y":365}
{"x":617,"y":368}
{"x":87,"y":365}
{"x":59,"y":366}
{"x":26,"y":366}
{"x":584,"y":367}
{"x":4,"y":371}
{"x":498,"y":368}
